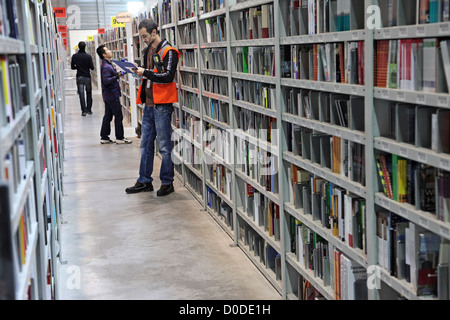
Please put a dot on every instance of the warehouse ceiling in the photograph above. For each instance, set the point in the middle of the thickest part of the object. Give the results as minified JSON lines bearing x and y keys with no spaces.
{"x":90,"y":14}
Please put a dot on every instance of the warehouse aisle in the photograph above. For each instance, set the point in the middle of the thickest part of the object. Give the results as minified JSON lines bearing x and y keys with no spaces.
{"x":120,"y":246}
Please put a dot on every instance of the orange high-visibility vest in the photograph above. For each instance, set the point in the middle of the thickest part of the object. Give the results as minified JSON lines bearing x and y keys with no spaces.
{"x":164,"y":93}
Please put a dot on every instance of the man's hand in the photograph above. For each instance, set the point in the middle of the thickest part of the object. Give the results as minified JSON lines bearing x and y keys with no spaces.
{"x":139,"y":71}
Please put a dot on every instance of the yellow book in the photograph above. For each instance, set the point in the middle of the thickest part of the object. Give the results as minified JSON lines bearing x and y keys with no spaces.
{"x":402,"y":180}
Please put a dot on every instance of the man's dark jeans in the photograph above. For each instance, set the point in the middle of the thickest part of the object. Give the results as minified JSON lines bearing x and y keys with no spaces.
{"x":84,"y":84}
{"x":113,"y":108}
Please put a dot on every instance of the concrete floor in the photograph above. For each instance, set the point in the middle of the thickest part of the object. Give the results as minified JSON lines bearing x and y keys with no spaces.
{"x":120,"y":246}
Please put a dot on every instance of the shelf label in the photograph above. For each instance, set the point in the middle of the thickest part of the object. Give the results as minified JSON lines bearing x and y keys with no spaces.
{"x":403,"y":152}
{"x":445,"y":164}
{"x":422,"y":157}
{"x":387,"y":33}
{"x":421,"y":99}
{"x":357,"y":138}
{"x":385,"y":146}
{"x":338,"y":133}
{"x":443,"y":101}
{"x":355,"y":35}
{"x":403,"y":212}
{"x":423,"y":222}
{"x":337,"y":88}
{"x":357,"y":190}
{"x":335,"y":36}
{"x":384,"y":94}
{"x":443,"y":28}
{"x":445,"y":231}
{"x":401,"y":96}
{"x":403,"y":32}
{"x":386,"y":204}
{"x":420,"y":31}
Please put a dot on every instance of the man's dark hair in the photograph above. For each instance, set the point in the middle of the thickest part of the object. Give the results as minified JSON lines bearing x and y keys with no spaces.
{"x":101,"y":51}
{"x":148,"y":24}
{"x":82,"y":46}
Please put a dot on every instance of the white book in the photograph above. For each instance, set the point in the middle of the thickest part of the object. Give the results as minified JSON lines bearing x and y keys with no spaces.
{"x":430,"y":67}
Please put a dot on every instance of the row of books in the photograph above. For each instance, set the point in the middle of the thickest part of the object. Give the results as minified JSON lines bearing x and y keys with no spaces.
{"x":189,"y":58}
{"x":306,"y":291}
{"x":223,"y":210}
{"x":255,"y":92}
{"x":257,"y":125}
{"x":421,"y":126}
{"x":217,"y":110}
{"x":13,"y":93}
{"x":256,"y":23}
{"x":186,"y":9}
{"x":10,"y":26}
{"x":418,"y":184}
{"x":215,"y":58}
{"x":192,"y":125}
{"x":215,"y":84}
{"x":194,"y":157}
{"x":259,"y":165}
{"x":343,"y":157}
{"x":205,"y":6}
{"x":433,"y":11}
{"x":411,"y":253}
{"x":194,"y":182}
{"x":112,"y":35}
{"x":15,"y":165}
{"x":345,"y":277}
{"x":188,"y":33}
{"x":189,"y":100}
{"x":189,"y":79}
{"x":268,"y":256}
{"x":220,"y":177}
{"x":413,"y":64}
{"x":256,"y":60}
{"x":339,"y":62}
{"x":321,"y":16}
{"x":342,"y":212}
{"x":215,"y":29}
{"x":264,"y":212}
{"x":166,"y":12}
{"x":218,"y":142}
{"x":336,"y":109}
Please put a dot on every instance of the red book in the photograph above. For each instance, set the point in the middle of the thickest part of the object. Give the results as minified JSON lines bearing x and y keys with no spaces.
{"x":382,"y":57}
{"x":361,"y":63}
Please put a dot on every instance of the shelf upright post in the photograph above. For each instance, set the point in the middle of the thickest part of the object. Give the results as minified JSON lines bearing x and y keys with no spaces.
{"x":32,"y":138}
{"x":371,"y":174}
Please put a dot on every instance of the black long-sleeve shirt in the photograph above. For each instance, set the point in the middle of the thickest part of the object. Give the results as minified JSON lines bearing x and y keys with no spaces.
{"x":82,"y":62}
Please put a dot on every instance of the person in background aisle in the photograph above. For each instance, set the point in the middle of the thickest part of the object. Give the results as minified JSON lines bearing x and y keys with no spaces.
{"x":111,"y":96}
{"x":159,"y":92}
{"x":82,"y":62}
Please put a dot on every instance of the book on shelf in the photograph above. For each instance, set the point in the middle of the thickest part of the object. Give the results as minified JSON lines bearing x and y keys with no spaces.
{"x":7,"y":269}
{"x":445,"y":50}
